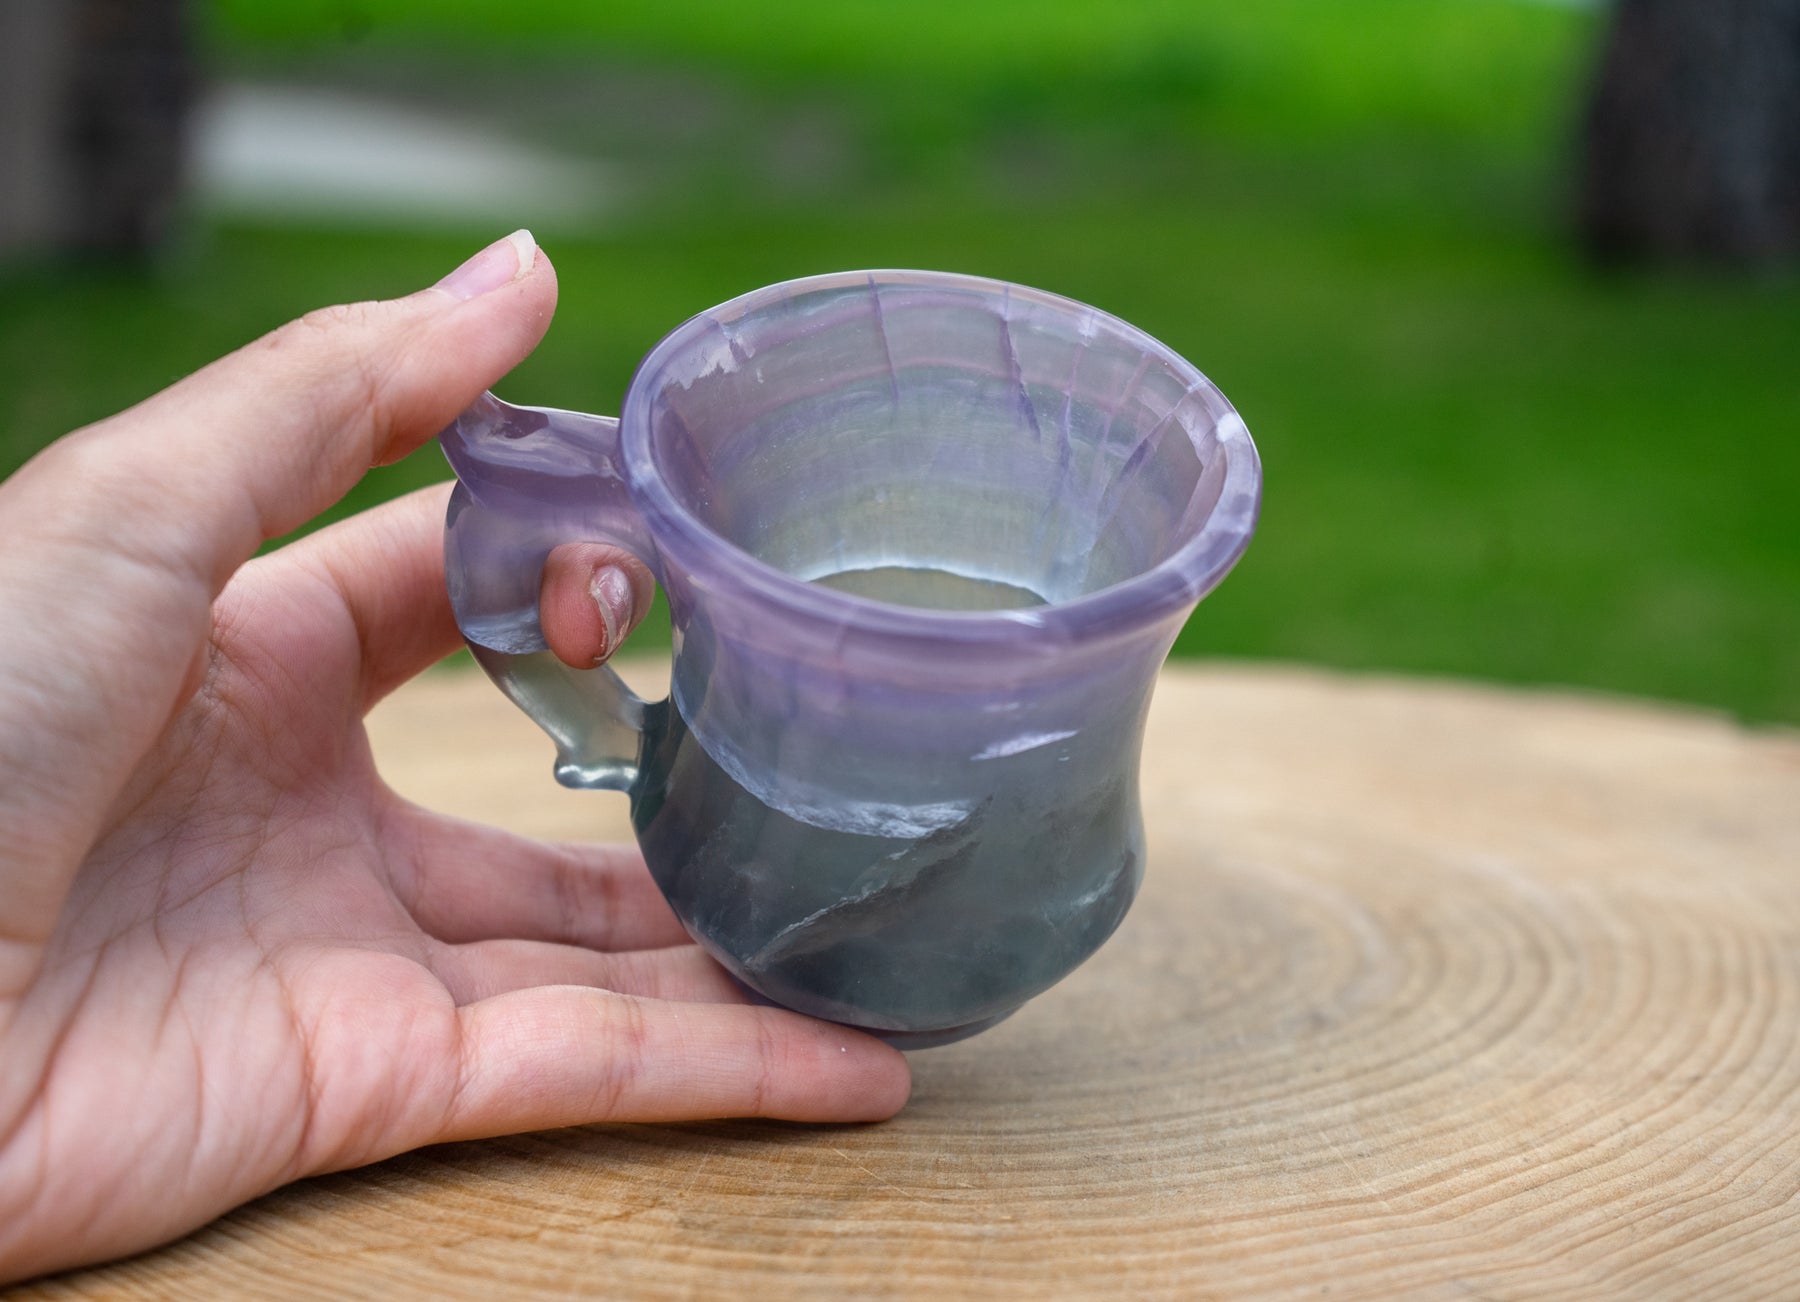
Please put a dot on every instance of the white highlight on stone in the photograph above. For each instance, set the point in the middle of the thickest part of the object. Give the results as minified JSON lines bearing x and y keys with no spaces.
{"x":1023,"y":742}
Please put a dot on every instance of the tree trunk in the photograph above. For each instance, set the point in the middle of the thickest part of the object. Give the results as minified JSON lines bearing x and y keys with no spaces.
{"x":1692,"y":138}
{"x":34,"y":57}
{"x":133,"y":84}
{"x":94,"y":98}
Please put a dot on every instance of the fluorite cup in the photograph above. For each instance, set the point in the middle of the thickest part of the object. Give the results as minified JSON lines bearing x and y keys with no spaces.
{"x":903,"y":818}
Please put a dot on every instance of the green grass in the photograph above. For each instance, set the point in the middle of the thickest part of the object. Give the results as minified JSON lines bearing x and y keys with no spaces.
{"x":1279,"y":71}
{"x":1481,"y":459}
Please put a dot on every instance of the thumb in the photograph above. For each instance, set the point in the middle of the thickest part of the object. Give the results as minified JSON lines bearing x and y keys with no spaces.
{"x":259,"y":442}
{"x":120,"y":536}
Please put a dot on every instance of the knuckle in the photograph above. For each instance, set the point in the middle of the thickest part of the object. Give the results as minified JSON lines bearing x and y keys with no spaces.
{"x":351,"y":347}
{"x":328,"y":320}
{"x":624,"y":1059}
{"x":770,"y":1061}
{"x":567,"y":889}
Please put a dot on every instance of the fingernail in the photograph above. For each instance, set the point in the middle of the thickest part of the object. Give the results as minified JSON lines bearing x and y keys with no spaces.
{"x":500,"y":263}
{"x":611,"y":591}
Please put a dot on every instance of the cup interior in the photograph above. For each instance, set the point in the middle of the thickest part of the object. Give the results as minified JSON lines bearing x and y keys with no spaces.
{"x":935,"y":441}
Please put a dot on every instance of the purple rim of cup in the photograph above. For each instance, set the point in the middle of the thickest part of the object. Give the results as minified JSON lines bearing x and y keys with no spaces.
{"x":1167,"y":588}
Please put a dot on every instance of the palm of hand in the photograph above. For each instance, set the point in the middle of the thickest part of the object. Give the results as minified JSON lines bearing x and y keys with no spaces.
{"x":260,"y":931}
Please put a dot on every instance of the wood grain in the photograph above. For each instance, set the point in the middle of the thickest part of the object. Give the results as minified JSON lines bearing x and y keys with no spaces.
{"x":1433,"y":990}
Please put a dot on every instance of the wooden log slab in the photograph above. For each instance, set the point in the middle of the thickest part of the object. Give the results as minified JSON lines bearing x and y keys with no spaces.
{"x":1433,"y":990}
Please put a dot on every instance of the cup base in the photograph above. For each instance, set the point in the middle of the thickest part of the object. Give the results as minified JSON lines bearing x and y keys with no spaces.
{"x":903,"y":1040}
{"x":909,"y":1040}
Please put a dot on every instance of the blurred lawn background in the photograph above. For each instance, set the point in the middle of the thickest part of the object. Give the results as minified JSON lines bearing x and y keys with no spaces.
{"x":1482,"y":458}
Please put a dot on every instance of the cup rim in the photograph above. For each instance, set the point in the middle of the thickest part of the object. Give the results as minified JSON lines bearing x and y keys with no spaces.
{"x":1172,"y":585}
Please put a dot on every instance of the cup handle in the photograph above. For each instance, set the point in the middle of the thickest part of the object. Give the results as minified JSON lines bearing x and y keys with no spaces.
{"x":528,"y":480}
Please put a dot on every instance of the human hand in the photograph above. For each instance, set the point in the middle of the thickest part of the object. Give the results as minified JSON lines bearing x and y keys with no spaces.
{"x":229,"y":955}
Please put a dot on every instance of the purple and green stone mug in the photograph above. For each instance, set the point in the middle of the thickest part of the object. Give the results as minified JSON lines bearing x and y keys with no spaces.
{"x":926,"y":540}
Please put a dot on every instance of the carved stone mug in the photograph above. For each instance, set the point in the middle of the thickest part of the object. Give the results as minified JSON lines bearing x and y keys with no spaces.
{"x":926,"y":540}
